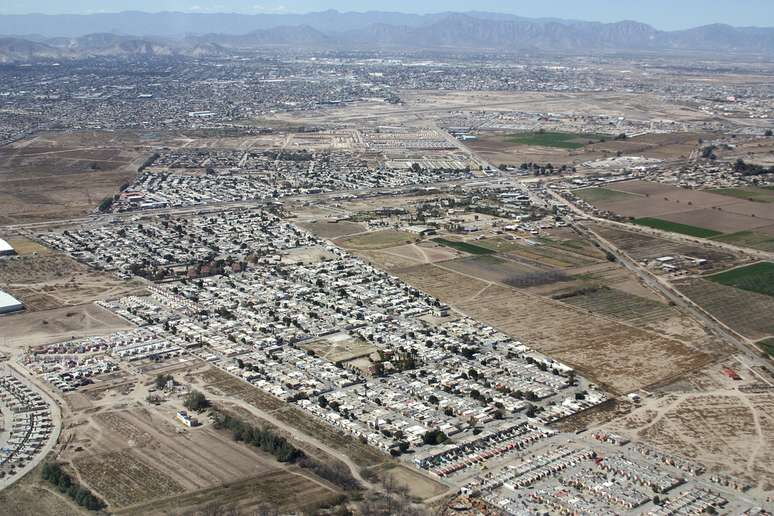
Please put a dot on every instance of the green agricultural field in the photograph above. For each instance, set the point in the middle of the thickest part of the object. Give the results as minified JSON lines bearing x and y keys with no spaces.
{"x":767,"y":346}
{"x":595,"y":195}
{"x":674,"y":227}
{"x":557,"y":140}
{"x":750,"y":239}
{"x":463,"y":246}
{"x":749,"y":194}
{"x":758,"y":277}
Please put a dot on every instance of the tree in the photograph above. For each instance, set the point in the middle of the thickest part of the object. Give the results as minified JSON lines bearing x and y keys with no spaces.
{"x":162,"y":380}
{"x":768,"y":133}
{"x":196,"y":401}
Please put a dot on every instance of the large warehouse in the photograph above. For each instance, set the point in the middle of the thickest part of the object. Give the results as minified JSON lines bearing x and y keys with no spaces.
{"x":9,"y":304}
{"x":6,"y":249}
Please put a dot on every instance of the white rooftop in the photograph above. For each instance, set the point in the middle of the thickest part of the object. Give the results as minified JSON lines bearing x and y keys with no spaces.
{"x":5,"y":246}
{"x":8,"y":301}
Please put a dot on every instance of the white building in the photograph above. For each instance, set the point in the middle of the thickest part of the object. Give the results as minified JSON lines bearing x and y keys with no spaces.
{"x":9,"y":304}
{"x":6,"y":249}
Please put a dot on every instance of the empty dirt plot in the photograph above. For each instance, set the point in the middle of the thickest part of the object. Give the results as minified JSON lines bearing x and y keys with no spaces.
{"x":33,"y":496}
{"x":746,"y":312}
{"x":726,"y":430}
{"x":222,"y":383}
{"x":339,"y":348}
{"x":376,"y":240}
{"x":18,"y":331}
{"x":52,"y":281}
{"x":25,"y":247}
{"x":415,"y":483}
{"x":283,"y":491}
{"x":124,"y":480}
{"x":490,"y":268}
{"x":447,"y":285}
{"x":407,"y":255}
{"x":56,"y":176}
{"x":134,"y":456}
{"x":619,"y":357}
{"x":331,"y":230}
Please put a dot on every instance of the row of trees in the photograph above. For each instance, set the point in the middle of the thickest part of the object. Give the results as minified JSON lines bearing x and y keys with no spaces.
{"x":266,"y":440}
{"x":63,"y":481}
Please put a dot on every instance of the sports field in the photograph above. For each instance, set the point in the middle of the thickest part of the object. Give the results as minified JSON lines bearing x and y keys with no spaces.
{"x":758,"y":277}
{"x":557,"y":140}
{"x":463,"y":246}
{"x":675,"y":227}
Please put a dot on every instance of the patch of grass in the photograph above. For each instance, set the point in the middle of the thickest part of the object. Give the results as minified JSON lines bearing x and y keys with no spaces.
{"x":597,"y":194}
{"x":675,"y":227}
{"x":557,"y":140}
{"x":758,"y":277}
{"x":751,"y":239}
{"x":377,"y":240}
{"x":750,"y":194}
{"x":767,"y":346}
{"x":463,"y":246}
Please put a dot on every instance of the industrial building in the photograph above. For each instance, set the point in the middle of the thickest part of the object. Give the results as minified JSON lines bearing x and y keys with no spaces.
{"x":9,"y":304}
{"x":6,"y":249}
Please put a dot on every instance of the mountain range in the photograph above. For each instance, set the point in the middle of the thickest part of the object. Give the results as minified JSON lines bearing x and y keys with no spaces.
{"x":35,"y":36}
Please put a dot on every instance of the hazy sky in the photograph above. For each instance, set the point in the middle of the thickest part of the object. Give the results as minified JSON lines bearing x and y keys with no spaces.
{"x":662,"y":14}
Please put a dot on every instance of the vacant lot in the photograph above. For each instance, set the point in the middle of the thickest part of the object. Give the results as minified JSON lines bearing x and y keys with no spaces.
{"x":331,"y":230}
{"x":758,"y":277}
{"x":417,"y":484}
{"x":286,"y":491}
{"x":135,"y":456}
{"x":731,"y":432}
{"x":57,"y":176}
{"x":33,"y":496}
{"x":339,"y":348}
{"x":490,"y":268}
{"x":376,"y":240}
{"x":37,"y":328}
{"x":48,"y":281}
{"x":617,"y":356}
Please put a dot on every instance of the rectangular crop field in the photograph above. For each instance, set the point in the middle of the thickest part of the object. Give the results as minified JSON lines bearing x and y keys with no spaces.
{"x":594,"y":195}
{"x":746,"y":312}
{"x":750,"y":194}
{"x":558,"y":140}
{"x":463,"y":246}
{"x":767,"y":346}
{"x":758,"y":277}
{"x":675,"y":227}
{"x":752,"y":239}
